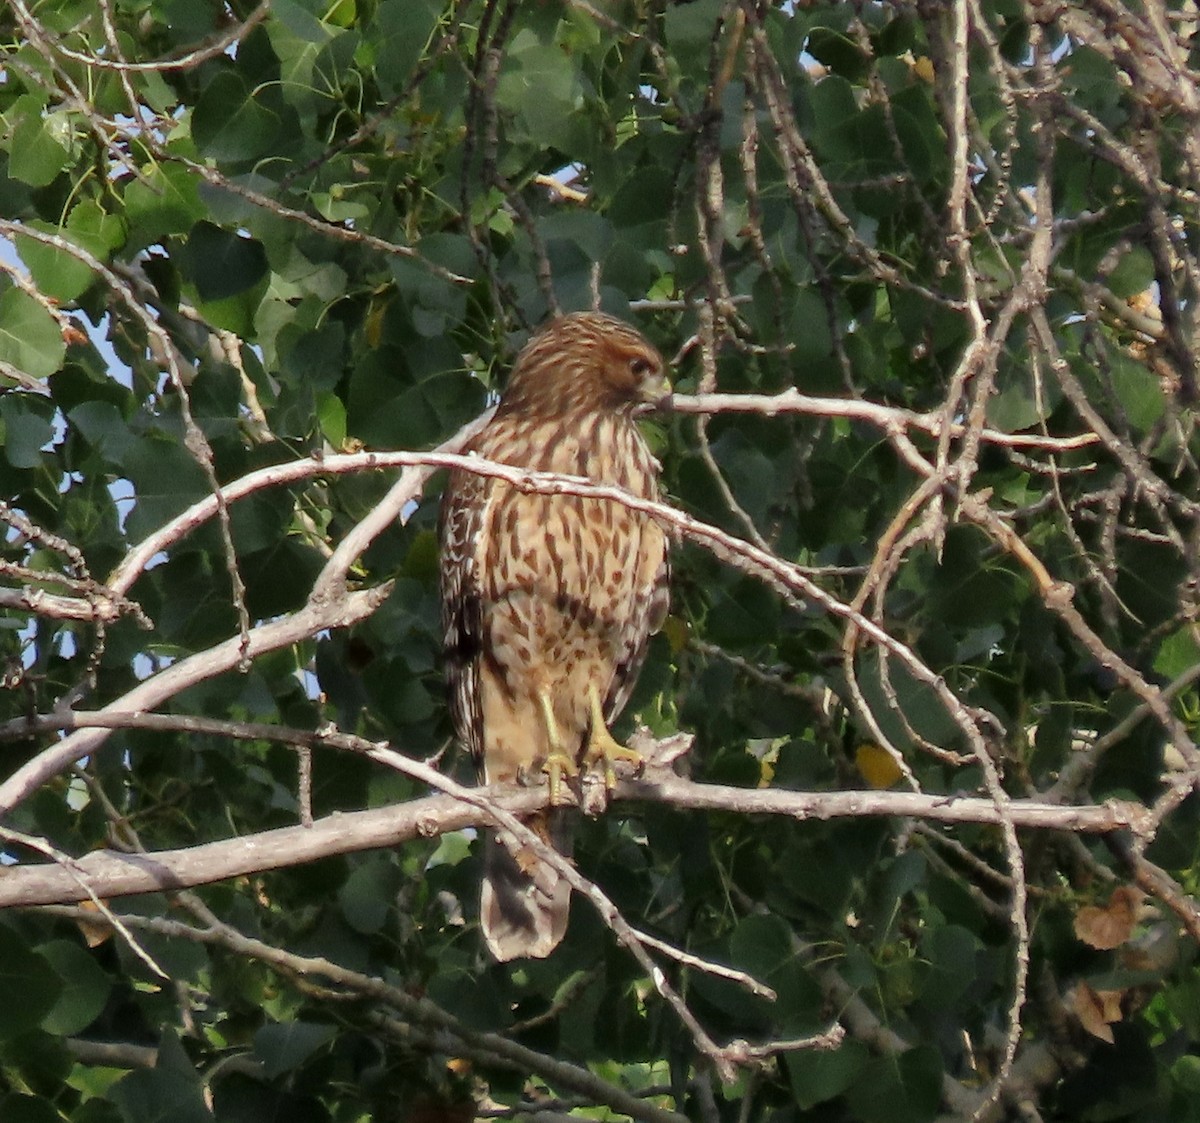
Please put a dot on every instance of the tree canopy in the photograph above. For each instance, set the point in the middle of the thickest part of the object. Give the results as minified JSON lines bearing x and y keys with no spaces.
{"x":917,"y":834}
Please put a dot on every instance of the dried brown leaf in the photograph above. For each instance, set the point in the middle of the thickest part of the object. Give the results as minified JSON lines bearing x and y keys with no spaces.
{"x":1096,"y":1010}
{"x":1109,"y":926}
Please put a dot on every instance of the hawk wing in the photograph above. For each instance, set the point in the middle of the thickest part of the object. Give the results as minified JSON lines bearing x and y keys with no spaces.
{"x":461,"y":520}
{"x":651,"y":602}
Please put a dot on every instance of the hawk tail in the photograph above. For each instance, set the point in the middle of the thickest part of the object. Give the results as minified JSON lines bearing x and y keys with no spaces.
{"x":524,"y":903}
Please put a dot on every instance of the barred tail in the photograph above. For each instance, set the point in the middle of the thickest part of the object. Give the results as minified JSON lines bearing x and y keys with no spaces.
{"x":524,"y":903}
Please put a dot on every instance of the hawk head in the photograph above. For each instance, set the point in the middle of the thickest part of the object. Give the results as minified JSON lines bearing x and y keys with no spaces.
{"x":585,"y":362}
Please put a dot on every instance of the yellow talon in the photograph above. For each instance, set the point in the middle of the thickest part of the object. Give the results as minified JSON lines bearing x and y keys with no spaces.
{"x":603,"y":746}
{"x":558,"y":758}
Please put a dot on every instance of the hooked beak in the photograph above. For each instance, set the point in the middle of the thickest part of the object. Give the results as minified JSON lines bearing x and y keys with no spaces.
{"x":657,"y":394}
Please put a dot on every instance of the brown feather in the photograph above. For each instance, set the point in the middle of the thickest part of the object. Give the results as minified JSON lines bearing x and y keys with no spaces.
{"x":550,"y":592}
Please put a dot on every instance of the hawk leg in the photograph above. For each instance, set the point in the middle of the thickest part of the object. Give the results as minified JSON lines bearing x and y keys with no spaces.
{"x":603,"y":747}
{"x":559,"y":759}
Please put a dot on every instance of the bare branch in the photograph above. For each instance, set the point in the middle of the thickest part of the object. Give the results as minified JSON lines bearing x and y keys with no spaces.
{"x":111,"y":874}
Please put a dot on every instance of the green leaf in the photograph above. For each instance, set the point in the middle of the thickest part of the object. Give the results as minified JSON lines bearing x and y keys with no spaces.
{"x":94,"y":226}
{"x":165,"y":479}
{"x":104,"y":428}
{"x":1185,"y":1072}
{"x":692,"y":25}
{"x":541,"y":87}
{"x":165,"y":200}
{"x":312,"y":359}
{"x":231,"y":123}
{"x":952,"y":954}
{"x":331,"y":413}
{"x":59,"y":273}
{"x":28,"y":426}
{"x":837,"y":114}
{"x":904,"y":1088}
{"x":85,"y":988}
{"x":156,"y":1095}
{"x":29,"y":987}
{"x":37,"y":151}
{"x":1095,"y":79}
{"x":260,"y":522}
{"x":1139,"y":391}
{"x":220,"y":263}
{"x":230,"y":275}
{"x":279,"y":577}
{"x":923,"y":711}
{"x":1134,"y":273}
{"x":1179,"y":653}
{"x":818,"y":1075}
{"x":760,"y":944}
{"x":747,"y":611}
{"x":404,"y":30}
{"x":342,"y":13}
{"x":1014,"y":407}
{"x":298,"y":39}
{"x":30,"y":338}
{"x":284,"y":1047}
{"x":920,"y":132}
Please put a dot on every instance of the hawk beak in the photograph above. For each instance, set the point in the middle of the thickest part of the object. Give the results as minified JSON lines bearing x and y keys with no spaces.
{"x":658,"y":393}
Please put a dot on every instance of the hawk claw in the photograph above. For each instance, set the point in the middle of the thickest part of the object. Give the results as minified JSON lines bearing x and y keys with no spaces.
{"x":603,"y":747}
{"x":558,"y":763}
{"x":558,"y":759}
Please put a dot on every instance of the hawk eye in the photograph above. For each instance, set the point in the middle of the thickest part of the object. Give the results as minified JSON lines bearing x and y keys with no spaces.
{"x":639,"y":367}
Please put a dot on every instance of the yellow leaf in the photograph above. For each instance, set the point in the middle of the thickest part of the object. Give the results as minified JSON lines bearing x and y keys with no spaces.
{"x":373,"y":326}
{"x":923,"y":69}
{"x":342,"y":13}
{"x":676,"y":629}
{"x":95,"y":932}
{"x":877,"y":766}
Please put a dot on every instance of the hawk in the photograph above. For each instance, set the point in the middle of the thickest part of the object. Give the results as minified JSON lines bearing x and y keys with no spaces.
{"x":549,"y":601}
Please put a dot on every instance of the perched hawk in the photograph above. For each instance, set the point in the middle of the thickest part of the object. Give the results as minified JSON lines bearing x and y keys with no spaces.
{"x":548,"y":601}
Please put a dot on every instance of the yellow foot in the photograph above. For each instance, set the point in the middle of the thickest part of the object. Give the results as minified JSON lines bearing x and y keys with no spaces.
{"x":559,"y":764}
{"x":559,"y":760}
{"x":602,"y":747}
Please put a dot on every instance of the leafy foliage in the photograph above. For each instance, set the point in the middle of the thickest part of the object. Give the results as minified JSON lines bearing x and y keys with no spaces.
{"x":928,"y":274}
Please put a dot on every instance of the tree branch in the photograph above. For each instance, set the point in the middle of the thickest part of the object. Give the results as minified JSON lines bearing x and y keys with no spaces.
{"x":112,"y":874}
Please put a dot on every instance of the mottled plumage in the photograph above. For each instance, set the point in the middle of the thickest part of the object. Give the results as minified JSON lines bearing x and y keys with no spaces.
{"x":546,"y":598}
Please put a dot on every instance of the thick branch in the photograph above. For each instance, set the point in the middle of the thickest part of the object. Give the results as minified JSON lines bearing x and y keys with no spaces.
{"x":112,"y":874}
